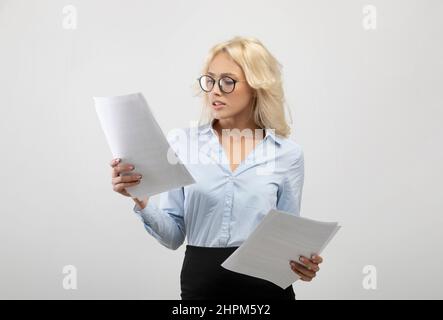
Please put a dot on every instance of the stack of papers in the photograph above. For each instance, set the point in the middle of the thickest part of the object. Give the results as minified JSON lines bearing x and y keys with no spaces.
{"x":278,"y":239}
{"x":134,"y":135}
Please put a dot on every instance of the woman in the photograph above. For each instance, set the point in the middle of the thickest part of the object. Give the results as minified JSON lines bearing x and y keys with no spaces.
{"x":243,"y":92}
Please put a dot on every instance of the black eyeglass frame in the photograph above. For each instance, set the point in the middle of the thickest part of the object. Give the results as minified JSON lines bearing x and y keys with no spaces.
{"x":218,"y":82}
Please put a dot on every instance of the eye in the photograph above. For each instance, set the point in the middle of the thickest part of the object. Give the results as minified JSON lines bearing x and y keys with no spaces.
{"x":228,"y":81}
{"x":208,"y":81}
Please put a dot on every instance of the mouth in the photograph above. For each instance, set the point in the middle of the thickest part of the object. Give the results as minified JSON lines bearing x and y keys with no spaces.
{"x":218,"y":104}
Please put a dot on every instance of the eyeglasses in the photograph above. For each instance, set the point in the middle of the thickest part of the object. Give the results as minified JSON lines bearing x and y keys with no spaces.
{"x":226,"y":84}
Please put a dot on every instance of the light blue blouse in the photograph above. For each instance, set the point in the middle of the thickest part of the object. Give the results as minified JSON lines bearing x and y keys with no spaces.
{"x":223,"y":207}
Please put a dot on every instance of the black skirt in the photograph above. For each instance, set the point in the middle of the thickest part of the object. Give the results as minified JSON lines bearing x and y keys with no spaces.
{"x":202,"y":277}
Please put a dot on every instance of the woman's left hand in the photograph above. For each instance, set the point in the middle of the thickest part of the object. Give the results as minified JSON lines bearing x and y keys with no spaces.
{"x":308,"y":268}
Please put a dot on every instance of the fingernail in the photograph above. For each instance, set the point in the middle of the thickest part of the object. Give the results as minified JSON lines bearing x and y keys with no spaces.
{"x":292,"y":263}
{"x":139,"y":176}
{"x":302,"y":259}
{"x":131,"y":167}
{"x":118,"y":160}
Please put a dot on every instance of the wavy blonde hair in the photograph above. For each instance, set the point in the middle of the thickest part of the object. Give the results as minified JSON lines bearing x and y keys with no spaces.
{"x":263,"y":74}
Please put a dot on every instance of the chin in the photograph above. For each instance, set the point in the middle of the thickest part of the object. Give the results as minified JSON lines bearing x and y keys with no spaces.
{"x":218,"y":114}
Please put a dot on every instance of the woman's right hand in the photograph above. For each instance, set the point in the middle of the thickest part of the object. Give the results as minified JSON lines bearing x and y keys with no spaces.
{"x":121,"y":182}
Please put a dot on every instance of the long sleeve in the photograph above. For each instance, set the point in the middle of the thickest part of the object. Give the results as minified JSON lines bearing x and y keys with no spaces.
{"x":166,"y":221}
{"x":290,"y":192}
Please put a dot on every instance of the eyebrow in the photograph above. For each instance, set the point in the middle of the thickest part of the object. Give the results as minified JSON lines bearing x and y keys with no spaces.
{"x":224,"y":74}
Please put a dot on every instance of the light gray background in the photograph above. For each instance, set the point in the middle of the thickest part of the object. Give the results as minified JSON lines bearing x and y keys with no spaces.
{"x":367,"y":109}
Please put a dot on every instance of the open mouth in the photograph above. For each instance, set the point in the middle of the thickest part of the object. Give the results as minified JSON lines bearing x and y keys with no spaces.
{"x":218,"y":104}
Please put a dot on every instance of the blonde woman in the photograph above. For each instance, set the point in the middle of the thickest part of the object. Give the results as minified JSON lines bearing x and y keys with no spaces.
{"x":242,"y":90}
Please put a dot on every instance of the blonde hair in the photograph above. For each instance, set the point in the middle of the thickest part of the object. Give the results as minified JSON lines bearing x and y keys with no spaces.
{"x":263,"y":74}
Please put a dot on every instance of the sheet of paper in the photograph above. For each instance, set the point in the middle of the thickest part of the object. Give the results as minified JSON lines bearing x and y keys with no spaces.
{"x":279,"y":238}
{"x":134,"y":135}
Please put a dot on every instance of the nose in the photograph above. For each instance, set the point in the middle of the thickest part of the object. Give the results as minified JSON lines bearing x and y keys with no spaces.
{"x":216,"y":90}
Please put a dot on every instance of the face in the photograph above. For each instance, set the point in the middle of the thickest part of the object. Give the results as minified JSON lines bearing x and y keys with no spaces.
{"x":238,"y":103}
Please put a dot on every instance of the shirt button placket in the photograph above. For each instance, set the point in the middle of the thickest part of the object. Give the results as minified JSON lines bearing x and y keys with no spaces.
{"x":227,"y":211}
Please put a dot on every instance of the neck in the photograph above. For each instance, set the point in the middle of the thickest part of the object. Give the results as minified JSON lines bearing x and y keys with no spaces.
{"x":232,"y":123}
{"x":241,"y":121}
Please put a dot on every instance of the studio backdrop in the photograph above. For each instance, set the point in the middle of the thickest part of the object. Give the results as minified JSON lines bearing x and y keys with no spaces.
{"x":364,"y":85}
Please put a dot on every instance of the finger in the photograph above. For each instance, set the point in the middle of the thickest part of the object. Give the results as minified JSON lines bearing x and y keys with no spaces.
{"x":301,"y":275}
{"x":305,"y":278}
{"x":121,"y":168}
{"x":302,"y":269}
{"x":309,"y":263}
{"x":122,"y":186}
{"x":129,"y":178}
{"x":114,"y":162}
{"x":316,"y":259}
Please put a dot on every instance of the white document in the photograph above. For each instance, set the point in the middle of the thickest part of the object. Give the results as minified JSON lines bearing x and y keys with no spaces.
{"x":134,"y":135}
{"x":278,"y":239}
